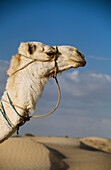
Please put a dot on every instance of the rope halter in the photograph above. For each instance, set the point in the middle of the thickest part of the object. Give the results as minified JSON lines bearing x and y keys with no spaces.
{"x":27,"y":117}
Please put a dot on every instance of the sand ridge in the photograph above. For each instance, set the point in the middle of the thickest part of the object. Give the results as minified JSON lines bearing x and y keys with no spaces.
{"x":97,"y":143}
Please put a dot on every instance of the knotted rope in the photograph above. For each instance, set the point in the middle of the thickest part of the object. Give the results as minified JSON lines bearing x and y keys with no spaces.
{"x":27,"y":117}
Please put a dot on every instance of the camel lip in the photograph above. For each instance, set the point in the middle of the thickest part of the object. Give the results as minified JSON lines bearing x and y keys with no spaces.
{"x":82,"y":63}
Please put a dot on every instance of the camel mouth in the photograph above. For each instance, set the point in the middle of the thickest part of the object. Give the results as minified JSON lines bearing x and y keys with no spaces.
{"x":80,"y":63}
{"x":83,"y":63}
{"x":77,"y":64}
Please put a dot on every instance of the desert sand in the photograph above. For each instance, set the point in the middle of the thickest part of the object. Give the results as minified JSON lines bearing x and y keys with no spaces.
{"x":55,"y":153}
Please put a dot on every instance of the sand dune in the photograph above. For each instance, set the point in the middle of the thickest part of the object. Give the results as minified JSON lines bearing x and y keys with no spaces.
{"x":97,"y":144}
{"x":51,"y":153}
{"x":20,"y":153}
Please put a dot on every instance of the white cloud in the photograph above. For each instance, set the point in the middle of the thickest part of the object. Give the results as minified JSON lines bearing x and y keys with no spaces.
{"x":100,"y":58}
{"x":74,"y":76}
{"x":102,"y":76}
{"x":87,"y":86}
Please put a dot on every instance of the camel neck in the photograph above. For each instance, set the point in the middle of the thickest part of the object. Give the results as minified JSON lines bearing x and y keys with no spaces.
{"x":27,"y":91}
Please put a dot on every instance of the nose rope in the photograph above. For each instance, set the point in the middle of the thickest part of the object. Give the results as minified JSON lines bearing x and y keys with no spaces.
{"x":27,"y":118}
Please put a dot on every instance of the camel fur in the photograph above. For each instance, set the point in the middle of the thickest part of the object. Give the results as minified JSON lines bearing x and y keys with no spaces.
{"x":26,"y":85}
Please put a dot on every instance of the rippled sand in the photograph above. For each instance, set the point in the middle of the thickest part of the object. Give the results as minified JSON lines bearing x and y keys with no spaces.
{"x":54,"y":153}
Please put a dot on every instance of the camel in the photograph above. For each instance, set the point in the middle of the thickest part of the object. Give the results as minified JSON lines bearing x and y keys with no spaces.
{"x":28,"y":73}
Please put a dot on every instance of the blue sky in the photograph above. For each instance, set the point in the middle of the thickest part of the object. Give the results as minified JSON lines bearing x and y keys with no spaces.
{"x":85,"y":108}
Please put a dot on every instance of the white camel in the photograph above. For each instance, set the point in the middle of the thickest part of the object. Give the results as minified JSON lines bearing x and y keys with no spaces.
{"x":29,"y":71}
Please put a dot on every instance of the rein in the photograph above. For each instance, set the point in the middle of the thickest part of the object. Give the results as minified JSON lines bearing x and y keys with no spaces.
{"x":27,"y":117}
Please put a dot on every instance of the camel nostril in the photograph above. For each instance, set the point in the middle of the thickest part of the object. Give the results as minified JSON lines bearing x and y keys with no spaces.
{"x":82,"y":56}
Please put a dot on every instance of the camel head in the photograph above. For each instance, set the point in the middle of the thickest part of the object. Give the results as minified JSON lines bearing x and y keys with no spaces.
{"x":69,"y":57}
{"x":66,"y":57}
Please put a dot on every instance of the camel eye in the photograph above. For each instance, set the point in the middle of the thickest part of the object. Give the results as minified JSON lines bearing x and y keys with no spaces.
{"x":50,"y":54}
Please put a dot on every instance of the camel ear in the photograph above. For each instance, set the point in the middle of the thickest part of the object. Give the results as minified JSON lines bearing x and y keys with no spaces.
{"x":23,"y":48}
{"x":31,"y":48}
{"x":27,"y":48}
{"x":15,"y":63}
